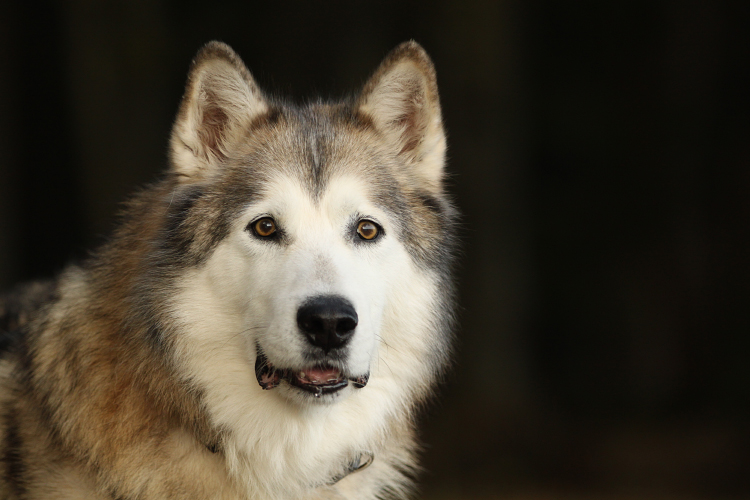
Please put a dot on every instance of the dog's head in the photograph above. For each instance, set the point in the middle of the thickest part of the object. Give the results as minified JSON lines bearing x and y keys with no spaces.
{"x":318,"y":236}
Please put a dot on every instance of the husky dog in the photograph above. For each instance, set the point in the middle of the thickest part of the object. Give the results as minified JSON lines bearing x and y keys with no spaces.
{"x":267,"y":318}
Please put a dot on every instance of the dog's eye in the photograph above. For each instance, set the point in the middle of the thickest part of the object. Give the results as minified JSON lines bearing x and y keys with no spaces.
{"x":368,"y":230}
{"x":264,"y":227}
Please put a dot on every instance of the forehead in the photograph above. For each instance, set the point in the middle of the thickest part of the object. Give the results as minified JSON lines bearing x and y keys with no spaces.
{"x":313,"y":146}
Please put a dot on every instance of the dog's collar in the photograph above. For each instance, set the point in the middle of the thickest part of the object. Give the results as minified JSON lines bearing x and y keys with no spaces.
{"x":360,"y":462}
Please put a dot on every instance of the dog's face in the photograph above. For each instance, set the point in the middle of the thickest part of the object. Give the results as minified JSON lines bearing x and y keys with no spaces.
{"x":309,"y":275}
{"x":320,"y":228}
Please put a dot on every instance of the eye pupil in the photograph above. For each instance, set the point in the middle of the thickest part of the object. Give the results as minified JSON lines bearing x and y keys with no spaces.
{"x":367,"y":230}
{"x":265,"y":227}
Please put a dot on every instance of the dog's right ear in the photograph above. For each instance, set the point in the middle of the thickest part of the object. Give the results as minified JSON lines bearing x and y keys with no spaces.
{"x":221,"y":99}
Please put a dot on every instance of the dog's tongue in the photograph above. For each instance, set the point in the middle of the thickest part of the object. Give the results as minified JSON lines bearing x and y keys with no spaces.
{"x":319,"y":375}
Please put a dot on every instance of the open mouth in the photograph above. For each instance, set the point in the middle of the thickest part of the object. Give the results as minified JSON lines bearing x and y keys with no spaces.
{"x":317,"y":380}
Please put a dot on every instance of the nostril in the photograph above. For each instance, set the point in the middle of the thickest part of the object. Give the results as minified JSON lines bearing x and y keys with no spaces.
{"x":346,"y":324}
{"x":312,"y":323}
{"x":328,"y":321}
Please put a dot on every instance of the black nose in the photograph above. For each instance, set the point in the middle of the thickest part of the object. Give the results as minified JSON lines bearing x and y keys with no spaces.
{"x":327,"y":321}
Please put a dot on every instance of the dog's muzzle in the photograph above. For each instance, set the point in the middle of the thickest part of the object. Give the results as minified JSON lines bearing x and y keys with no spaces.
{"x":328,"y":322}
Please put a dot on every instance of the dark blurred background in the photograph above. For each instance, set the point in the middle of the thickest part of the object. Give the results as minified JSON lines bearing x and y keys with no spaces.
{"x":599,"y":151}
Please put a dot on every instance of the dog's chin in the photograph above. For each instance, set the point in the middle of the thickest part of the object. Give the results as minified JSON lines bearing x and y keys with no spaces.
{"x":321,"y":382}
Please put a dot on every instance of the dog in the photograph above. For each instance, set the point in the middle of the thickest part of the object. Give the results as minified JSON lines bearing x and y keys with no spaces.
{"x":266,"y":320}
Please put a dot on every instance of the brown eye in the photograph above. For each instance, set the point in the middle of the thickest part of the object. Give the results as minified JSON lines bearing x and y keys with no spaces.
{"x":367,"y":230}
{"x":264,"y":227}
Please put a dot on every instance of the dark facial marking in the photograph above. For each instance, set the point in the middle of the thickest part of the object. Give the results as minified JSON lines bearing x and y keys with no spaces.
{"x":430,"y":202}
{"x":175,"y":231}
{"x":8,"y":340}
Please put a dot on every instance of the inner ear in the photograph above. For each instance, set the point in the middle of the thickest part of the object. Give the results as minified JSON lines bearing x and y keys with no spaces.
{"x":221,"y":99}
{"x":410,"y":116}
{"x":402,"y":100}
{"x":399,"y":102}
{"x":212,"y":129}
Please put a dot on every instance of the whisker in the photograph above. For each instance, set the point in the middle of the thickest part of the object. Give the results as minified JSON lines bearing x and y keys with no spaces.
{"x":380,"y":339}
{"x":242,"y":332}
{"x":385,"y":363}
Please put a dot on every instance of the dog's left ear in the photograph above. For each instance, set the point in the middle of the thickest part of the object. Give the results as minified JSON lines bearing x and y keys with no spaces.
{"x":221,"y":99}
{"x":402,"y":100}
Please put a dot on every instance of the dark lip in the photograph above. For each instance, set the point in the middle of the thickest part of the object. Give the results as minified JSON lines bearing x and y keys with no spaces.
{"x":318,"y":390}
{"x":270,"y":377}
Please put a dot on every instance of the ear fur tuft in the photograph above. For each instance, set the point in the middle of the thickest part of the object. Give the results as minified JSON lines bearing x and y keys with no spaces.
{"x":221,"y":98}
{"x":402,"y":100}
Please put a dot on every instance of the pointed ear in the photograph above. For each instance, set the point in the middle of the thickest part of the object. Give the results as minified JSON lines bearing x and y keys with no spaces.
{"x":221,"y":99}
{"x":402,"y":100}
